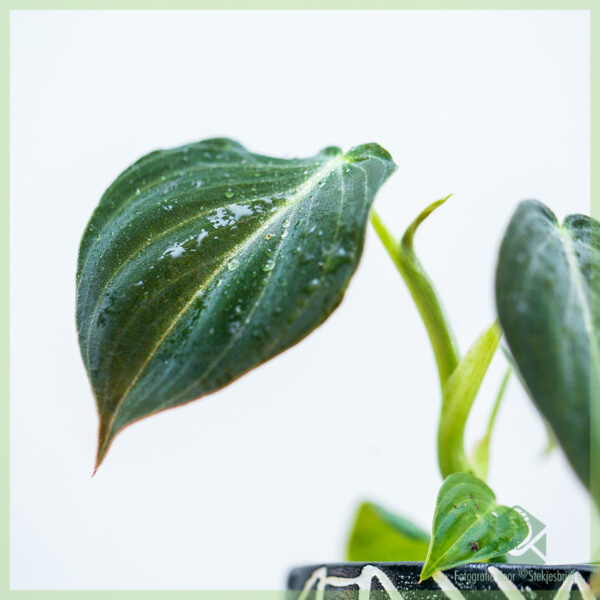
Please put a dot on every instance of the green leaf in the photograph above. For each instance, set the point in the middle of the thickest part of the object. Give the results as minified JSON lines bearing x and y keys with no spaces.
{"x":422,"y":291}
{"x":458,"y":395}
{"x":204,"y":261}
{"x":468,"y":525}
{"x":380,"y":536}
{"x":547,"y":295}
{"x":481,"y":452}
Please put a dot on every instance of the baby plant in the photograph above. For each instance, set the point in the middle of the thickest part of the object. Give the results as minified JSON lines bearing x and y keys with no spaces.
{"x":205,"y":261}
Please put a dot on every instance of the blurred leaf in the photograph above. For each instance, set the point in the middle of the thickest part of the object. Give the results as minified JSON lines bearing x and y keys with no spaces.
{"x":469,"y":526}
{"x":379,"y":535}
{"x":548,"y":294}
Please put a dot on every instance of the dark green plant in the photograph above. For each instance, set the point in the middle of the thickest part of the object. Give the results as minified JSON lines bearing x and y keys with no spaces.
{"x":204,"y":261}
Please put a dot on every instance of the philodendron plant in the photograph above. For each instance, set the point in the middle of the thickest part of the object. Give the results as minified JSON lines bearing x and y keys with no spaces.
{"x":205,"y":261}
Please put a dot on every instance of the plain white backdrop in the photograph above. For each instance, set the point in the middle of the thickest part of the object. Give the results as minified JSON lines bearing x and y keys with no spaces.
{"x":230,"y":491}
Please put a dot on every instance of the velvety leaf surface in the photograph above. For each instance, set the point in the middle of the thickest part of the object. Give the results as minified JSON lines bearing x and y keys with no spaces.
{"x":468,"y":525}
{"x":547,"y":294}
{"x":204,"y":261}
{"x":380,"y":536}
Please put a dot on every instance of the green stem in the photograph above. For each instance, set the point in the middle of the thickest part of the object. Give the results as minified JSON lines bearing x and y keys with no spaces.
{"x":459,"y":379}
{"x":422,"y":291}
{"x":497,"y":403}
{"x":481,"y":452}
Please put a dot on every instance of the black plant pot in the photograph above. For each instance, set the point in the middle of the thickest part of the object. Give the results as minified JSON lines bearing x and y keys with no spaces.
{"x":400,"y":581}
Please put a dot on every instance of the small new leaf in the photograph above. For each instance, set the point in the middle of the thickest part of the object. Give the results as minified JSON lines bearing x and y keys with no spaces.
{"x":469,"y":526}
{"x":381,"y":536}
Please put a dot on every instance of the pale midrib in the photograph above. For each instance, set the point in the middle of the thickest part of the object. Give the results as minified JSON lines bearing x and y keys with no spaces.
{"x":211,"y":367}
{"x":138,"y":251}
{"x":229,"y":346}
{"x":579,"y":285}
{"x":285,"y":330}
{"x":298,"y":196}
{"x":127,"y":202}
{"x":576,"y":279}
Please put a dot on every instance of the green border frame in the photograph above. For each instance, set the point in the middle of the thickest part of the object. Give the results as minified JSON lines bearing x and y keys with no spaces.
{"x":6,"y":6}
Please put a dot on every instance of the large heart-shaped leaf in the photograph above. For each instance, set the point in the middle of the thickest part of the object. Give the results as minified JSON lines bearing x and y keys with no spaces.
{"x":379,"y":535}
{"x":468,"y":525}
{"x":204,"y":261}
{"x":548,"y":295}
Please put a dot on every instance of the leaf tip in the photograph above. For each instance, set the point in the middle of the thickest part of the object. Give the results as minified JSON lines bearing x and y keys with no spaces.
{"x":425,"y":574}
{"x":407,"y":238}
{"x":371,"y":150}
{"x":105,"y":438}
{"x":100,"y":455}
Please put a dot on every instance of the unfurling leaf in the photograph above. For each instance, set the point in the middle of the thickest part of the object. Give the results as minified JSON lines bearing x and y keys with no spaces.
{"x":468,"y":525}
{"x":548,"y":299}
{"x":379,"y":535}
{"x":458,"y":394}
{"x":421,"y":289}
{"x":204,"y":261}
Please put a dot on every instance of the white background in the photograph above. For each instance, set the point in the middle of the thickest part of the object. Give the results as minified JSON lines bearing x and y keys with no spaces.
{"x":229,"y":492}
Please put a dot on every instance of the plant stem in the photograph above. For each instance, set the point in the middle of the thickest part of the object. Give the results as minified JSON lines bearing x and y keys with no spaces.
{"x":497,"y":403}
{"x":481,"y":452}
{"x":422,"y":291}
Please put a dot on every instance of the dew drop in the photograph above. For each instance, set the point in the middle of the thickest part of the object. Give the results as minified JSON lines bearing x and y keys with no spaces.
{"x":269,"y":265}
{"x":232,"y":265}
{"x":286,"y":223}
{"x":229,"y":194}
{"x":174,"y":251}
{"x":240,"y":211}
{"x":201,"y":236}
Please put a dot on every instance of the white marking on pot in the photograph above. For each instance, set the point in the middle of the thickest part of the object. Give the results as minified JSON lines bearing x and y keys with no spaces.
{"x":369,"y":572}
{"x":363,"y":581}
{"x":564,"y":591}
{"x":508,"y":588}
{"x":447,"y":586}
